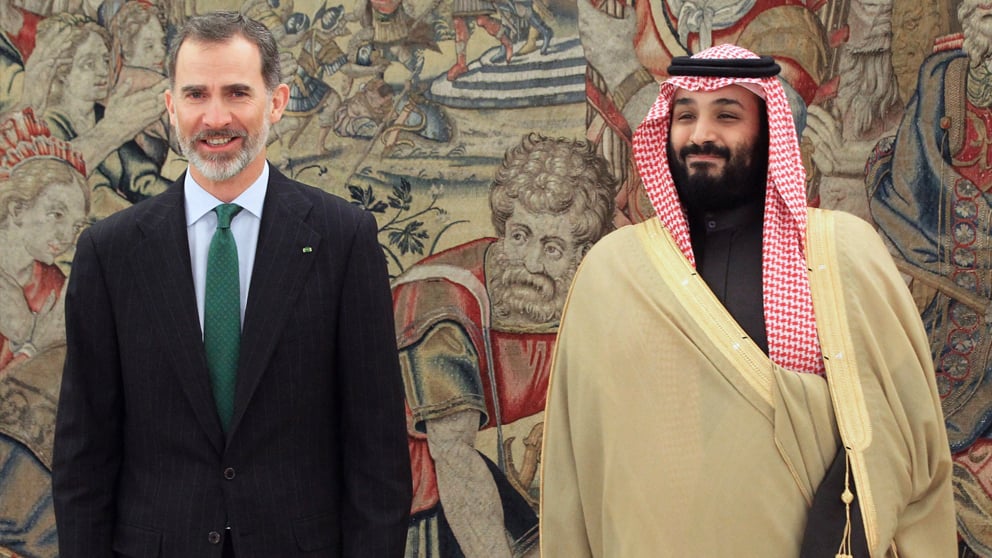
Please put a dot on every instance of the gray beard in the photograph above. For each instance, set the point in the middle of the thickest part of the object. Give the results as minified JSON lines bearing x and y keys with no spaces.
{"x":977,"y":37}
{"x":221,"y":169}
{"x":871,"y":94}
{"x":520,"y":296}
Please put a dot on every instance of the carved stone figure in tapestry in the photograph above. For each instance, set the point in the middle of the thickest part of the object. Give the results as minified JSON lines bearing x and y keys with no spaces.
{"x":861,"y":104}
{"x":479,"y":12}
{"x":399,"y":35}
{"x":44,"y":200}
{"x":137,"y":58}
{"x":476,"y":327}
{"x":365,"y":113}
{"x":17,"y":34}
{"x":930,"y":193}
{"x":320,"y":58}
{"x":69,"y":77}
{"x":537,"y":14}
{"x":864,"y":100}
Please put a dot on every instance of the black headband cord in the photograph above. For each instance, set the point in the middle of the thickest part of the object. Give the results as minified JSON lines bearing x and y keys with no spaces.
{"x":763,"y":66}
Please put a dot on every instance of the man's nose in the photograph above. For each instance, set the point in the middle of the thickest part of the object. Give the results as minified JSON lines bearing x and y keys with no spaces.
{"x":534,"y":258}
{"x":216,"y":113}
{"x":702,"y":132}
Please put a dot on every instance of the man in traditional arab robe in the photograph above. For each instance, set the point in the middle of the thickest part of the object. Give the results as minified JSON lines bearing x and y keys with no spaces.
{"x":761,"y":383}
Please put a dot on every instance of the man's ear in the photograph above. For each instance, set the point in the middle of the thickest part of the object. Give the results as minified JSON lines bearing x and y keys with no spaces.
{"x":14,"y":210}
{"x":170,"y":107}
{"x":280,"y":98}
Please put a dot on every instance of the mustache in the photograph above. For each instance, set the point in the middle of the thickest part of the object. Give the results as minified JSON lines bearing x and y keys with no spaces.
{"x":220,"y":133}
{"x":707,"y":148}
{"x":539,"y":282}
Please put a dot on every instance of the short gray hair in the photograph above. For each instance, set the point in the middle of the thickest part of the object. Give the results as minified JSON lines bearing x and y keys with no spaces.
{"x":220,"y":27}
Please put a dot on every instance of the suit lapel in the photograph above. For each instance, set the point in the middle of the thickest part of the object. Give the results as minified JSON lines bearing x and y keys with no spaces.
{"x":282,"y":260}
{"x":161,"y":262}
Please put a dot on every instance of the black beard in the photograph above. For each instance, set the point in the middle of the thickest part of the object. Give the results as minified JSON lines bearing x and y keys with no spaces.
{"x":740,"y":183}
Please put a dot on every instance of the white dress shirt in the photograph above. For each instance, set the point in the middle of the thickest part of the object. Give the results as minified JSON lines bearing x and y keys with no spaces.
{"x":201,"y":221}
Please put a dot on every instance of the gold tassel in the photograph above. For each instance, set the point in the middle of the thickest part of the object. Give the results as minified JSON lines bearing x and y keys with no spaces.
{"x":846,"y":549}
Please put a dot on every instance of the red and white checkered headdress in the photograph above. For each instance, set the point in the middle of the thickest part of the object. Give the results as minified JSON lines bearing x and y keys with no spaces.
{"x":788,"y":303}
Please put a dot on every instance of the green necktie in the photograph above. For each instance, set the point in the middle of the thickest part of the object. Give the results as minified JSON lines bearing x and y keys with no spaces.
{"x":222,"y":312}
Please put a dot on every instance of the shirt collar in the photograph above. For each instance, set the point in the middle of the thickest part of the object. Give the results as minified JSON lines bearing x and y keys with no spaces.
{"x":199,"y":202}
{"x":747,"y":214}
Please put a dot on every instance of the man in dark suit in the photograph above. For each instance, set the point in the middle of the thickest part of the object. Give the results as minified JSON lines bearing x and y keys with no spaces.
{"x":297,"y":446}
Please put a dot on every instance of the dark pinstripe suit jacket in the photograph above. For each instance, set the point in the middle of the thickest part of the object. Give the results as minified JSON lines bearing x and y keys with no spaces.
{"x":316,"y":462}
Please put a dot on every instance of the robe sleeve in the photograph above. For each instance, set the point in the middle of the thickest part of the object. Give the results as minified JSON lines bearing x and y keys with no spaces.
{"x":563,"y":527}
{"x":572,"y":456}
{"x":902,"y":450}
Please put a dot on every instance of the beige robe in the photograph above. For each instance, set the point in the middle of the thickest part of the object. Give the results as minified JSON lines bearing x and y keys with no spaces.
{"x":669,"y":433}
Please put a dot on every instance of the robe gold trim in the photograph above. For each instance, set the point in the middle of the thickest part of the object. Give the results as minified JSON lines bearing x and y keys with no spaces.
{"x":669,"y":433}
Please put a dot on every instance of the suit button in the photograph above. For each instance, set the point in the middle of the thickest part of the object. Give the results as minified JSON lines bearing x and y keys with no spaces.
{"x":229,"y":473}
{"x":213,"y":537}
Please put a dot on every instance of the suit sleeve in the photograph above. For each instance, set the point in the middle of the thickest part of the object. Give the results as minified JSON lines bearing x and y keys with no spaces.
{"x":377,"y":481}
{"x":87,"y":452}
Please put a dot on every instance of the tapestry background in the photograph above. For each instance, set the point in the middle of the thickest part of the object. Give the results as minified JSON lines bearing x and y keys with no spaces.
{"x":892,"y":100}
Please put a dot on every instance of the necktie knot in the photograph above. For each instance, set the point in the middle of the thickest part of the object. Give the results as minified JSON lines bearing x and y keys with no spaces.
{"x":225,"y":212}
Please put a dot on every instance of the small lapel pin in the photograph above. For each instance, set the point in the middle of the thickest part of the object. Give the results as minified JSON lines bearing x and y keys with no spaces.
{"x":307,"y":249}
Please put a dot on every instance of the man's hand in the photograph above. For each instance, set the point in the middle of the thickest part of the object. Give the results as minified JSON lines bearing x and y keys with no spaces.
{"x":128,"y":113}
{"x":832,"y":154}
{"x":466,"y":487}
